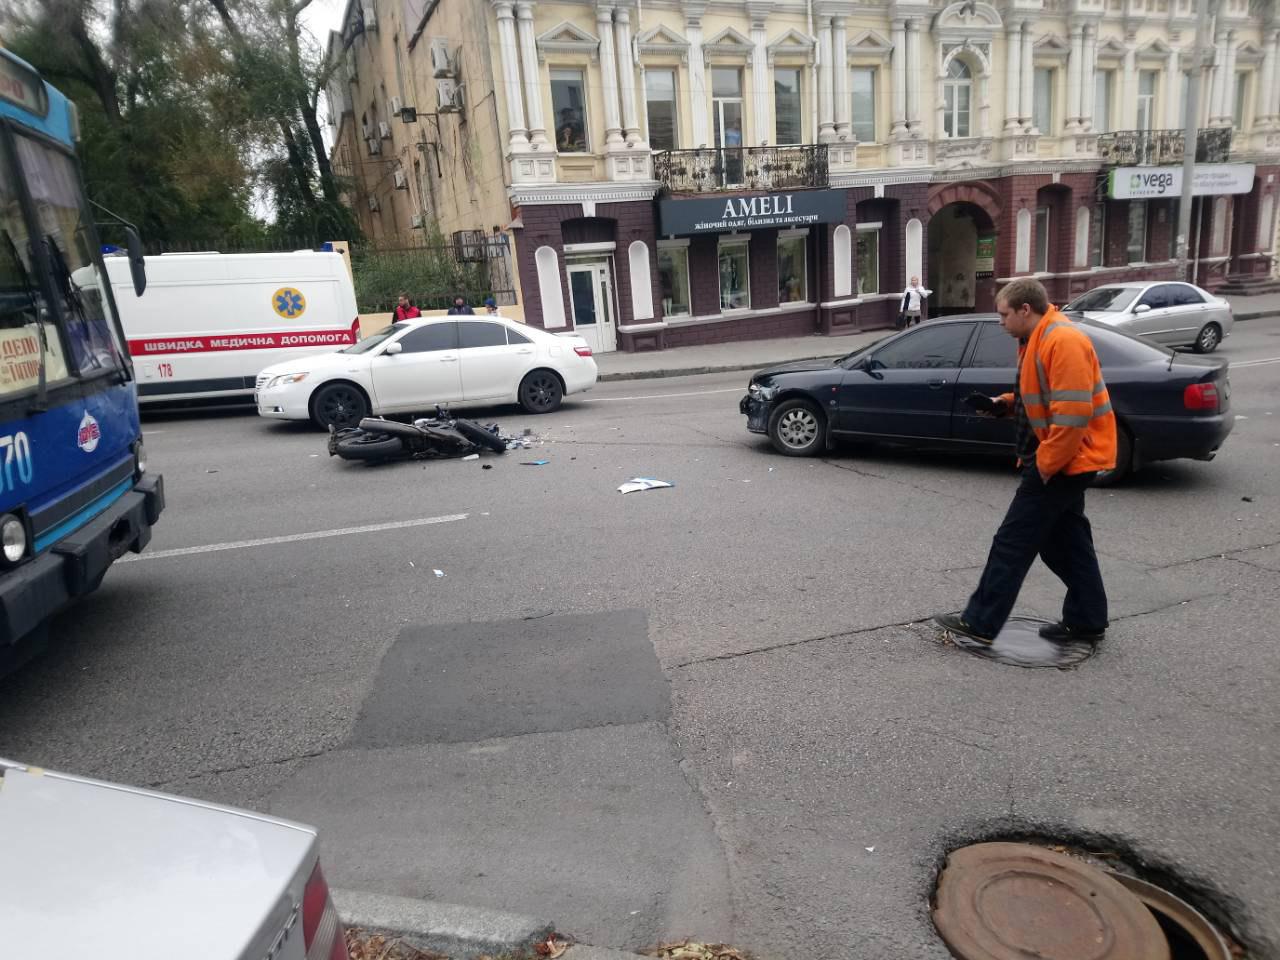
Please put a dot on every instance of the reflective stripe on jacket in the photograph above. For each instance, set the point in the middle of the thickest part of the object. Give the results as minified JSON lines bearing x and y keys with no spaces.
{"x":1066,"y":399}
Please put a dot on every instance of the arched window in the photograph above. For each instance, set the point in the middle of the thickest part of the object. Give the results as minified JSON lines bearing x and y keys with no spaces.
{"x":957,"y":95}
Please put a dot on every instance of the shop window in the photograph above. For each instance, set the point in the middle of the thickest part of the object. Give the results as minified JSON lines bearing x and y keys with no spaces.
{"x":660,"y":101}
{"x":957,"y":91}
{"x":1104,"y":82}
{"x":1042,"y":100}
{"x":1137,"y":248}
{"x":792,"y":270}
{"x":1042,"y":239}
{"x":735,"y":281}
{"x":868,"y":254}
{"x":1146,"y":99}
{"x":1098,"y":237}
{"x":863,"y":84}
{"x":786,"y":105}
{"x":569,"y":107}
{"x":673,"y":279}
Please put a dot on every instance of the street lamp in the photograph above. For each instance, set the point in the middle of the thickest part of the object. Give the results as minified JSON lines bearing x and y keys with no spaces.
{"x":1195,"y":86}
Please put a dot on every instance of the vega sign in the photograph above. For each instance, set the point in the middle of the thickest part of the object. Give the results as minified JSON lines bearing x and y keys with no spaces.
{"x":755,"y":212}
{"x":1154,"y":183}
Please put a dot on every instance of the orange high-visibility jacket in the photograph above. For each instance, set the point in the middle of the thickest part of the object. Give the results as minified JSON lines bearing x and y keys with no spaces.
{"x":1065,"y":398}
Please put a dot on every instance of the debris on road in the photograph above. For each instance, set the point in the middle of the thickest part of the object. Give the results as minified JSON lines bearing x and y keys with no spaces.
{"x":1247,"y":499}
{"x":472,"y":456}
{"x":692,"y":950}
{"x":554,"y":946}
{"x":374,"y":946}
{"x":643,"y":483}
{"x":438,"y":573}
{"x":534,"y":463}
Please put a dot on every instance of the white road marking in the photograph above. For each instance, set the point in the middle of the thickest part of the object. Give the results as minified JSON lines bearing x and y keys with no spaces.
{"x":663,"y":396}
{"x":291,"y":538}
{"x":1254,"y":363}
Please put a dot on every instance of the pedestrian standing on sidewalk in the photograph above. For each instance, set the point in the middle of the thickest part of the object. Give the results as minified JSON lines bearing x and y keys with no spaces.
{"x":1066,"y":433}
{"x":912,"y":303}
{"x":460,"y":307}
{"x":405,"y":310}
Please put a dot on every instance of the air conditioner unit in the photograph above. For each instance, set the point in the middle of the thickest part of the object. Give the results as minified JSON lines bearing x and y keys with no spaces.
{"x":415,"y":221}
{"x":447,"y":99}
{"x":375,"y":146}
{"x":441,"y":61}
{"x":396,"y":105}
{"x":373,"y":204}
{"x":384,"y":130}
{"x":370,"y":17}
{"x":365,"y":132}
{"x":402,"y":182}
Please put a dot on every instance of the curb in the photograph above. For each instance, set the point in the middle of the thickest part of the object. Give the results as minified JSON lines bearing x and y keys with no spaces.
{"x":699,"y":371}
{"x":461,"y":932}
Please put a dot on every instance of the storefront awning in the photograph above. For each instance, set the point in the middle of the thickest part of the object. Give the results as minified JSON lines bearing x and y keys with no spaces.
{"x":1155,"y":183}
{"x":761,"y":211}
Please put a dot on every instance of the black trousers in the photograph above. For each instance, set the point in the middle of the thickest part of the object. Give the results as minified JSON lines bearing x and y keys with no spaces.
{"x":1045,"y":519}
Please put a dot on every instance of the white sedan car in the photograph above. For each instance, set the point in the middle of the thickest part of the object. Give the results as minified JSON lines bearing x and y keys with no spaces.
{"x":411,"y":366}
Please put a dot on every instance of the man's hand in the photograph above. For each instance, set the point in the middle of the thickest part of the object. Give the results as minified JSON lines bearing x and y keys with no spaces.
{"x":1044,"y":477}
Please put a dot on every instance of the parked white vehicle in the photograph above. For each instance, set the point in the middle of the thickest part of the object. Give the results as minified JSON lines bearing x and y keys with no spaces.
{"x":211,"y":321}
{"x":113,"y":872}
{"x":411,"y":366}
{"x":1172,"y":313}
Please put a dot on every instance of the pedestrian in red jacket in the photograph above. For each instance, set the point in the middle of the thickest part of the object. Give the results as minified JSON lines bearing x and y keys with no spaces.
{"x":405,"y":310}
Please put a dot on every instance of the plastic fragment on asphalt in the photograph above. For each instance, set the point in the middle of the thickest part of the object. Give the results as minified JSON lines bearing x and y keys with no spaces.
{"x":1247,"y":499}
{"x":486,"y":466}
{"x":870,"y":849}
{"x":438,"y":573}
{"x":1241,"y":417}
{"x":534,"y":463}
{"x":472,"y":456}
{"x":643,"y":483}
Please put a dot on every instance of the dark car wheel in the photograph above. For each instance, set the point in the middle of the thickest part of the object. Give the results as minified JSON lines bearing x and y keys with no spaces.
{"x":540,"y":392}
{"x":797,"y":428}
{"x":480,"y":436}
{"x":339,"y":404}
{"x":370,"y":446}
{"x":1124,"y":460}
{"x":1208,"y":338}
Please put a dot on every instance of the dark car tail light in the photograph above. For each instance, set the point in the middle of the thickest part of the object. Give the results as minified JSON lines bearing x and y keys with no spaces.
{"x":1201,"y":396}
{"x":582,"y":351}
{"x":322,"y":933}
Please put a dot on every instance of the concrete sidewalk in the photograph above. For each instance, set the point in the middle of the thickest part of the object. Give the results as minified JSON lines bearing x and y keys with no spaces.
{"x":754,"y":354}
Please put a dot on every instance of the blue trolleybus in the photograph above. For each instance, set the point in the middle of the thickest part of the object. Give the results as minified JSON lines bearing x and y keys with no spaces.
{"x":74,"y":491}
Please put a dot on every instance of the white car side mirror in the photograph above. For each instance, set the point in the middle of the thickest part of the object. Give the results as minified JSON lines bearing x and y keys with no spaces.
{"x":1142,"y":308}
{"x":393,"y":349}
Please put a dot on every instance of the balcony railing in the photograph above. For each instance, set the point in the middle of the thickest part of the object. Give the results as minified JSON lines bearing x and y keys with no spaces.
{"x":719,"y":169}
{"x":1155,"y":147}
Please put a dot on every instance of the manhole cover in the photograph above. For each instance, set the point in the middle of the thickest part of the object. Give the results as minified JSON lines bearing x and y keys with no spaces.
{"x":1021,"y":645}
{"x":1011,"y":901}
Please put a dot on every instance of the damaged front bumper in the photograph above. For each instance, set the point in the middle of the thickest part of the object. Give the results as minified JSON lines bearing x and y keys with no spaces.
{"x":757,"y":413}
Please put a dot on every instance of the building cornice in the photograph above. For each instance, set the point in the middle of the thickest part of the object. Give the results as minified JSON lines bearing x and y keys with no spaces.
{"x":527,"y":195}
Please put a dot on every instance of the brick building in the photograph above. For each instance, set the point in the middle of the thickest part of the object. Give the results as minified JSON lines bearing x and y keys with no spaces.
{"x":703,"y":171}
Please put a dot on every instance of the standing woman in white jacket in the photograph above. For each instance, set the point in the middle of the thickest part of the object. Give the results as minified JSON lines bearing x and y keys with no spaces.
{"x":912,"y":303}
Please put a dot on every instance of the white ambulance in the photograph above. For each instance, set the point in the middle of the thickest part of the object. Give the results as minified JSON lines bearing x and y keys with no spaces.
{"x":211,"y":321}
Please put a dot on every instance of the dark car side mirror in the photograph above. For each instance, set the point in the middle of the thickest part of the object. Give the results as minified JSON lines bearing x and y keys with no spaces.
{"x":137,"y":261}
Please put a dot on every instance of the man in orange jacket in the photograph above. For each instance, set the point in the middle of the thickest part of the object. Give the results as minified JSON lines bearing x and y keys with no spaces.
{"x":1066,"y":433}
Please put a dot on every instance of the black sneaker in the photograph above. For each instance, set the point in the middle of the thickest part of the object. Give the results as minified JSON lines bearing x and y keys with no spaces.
{"x":955,"y":623}
{"x":1061,"y":632}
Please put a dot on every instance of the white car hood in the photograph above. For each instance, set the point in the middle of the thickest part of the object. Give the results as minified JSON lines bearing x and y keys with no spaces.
{"x":113,"y":872}
{"x":316,"y":363}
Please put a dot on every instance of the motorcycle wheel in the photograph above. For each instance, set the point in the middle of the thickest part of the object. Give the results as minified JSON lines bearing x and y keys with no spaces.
{"x":480,"y":436}
{"x":370,"y":446}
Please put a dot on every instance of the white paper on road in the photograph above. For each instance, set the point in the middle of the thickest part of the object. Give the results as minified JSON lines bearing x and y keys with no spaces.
{"x":643,"y":483}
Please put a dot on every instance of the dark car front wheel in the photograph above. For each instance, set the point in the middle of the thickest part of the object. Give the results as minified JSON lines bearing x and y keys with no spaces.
{"x":797,"y":428}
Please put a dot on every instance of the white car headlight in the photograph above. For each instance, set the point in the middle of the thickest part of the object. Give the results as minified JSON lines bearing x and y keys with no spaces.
{"x":13,"y":538}
{"x":285,"y":378}
{"x":761,"y":392}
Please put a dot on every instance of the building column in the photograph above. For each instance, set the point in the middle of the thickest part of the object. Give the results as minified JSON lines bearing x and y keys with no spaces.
{"x":626,"y":76}
{"x":913,"y":76}
{"x":699,"y":108}
{"x":1219,"y":77}
{"x":899,"y":78}
{"x":529,"y":61}
{"x":1075,"y":78}
{"x":609,"y":75}
{"x":1028,"y":77}
{"x":1229,"y":83}
{"x":760,"y":81}
{"x":826,"y":121}
{"x":840,"y":78}
{"x":1013,"y":76}
{"x":1129,"y":85}
{"x":1270,"y":98}
{"x":1088,"y":81}
{"x":1174,"y":106}
{"x":517,"y":132}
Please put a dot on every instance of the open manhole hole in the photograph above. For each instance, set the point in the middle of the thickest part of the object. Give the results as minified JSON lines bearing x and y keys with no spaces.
{"x":1019,"y":644}
{"x":1011,"y":901}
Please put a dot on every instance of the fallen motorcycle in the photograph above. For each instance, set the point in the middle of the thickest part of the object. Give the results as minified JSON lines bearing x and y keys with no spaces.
{"x":438,"y":437}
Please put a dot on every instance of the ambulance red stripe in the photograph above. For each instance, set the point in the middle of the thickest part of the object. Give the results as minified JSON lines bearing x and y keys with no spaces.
{"x":151,"y":346}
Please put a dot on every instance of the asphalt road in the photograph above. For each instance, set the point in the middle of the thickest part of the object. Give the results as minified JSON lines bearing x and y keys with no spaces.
{"x":715,"y":710}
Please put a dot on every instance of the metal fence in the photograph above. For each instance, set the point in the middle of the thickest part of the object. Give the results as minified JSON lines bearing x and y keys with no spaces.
{"x":713,"y":169}
{"x":1154,"y":147}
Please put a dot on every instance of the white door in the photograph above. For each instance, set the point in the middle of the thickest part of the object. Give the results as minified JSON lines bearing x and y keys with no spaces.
{"x":491,"y":367}
{"x":425,"y":372}
{"x":591,"y":297}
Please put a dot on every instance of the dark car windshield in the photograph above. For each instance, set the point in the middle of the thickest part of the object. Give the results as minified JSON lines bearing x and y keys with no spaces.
{"x":1108,"y":299}
{"x":382,"y":336}
{"x":850,"y":357}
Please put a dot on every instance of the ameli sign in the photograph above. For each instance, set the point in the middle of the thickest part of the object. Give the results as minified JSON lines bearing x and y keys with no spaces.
{"x":758,"y":212}
{"x":1209,"y":179}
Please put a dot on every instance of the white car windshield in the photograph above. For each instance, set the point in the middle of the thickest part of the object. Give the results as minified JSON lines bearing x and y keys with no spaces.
{"x":383,"y":335}
{"x":1108,"y":299}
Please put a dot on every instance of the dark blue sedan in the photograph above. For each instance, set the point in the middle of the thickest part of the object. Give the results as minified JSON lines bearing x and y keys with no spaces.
{"x":909,"y":390}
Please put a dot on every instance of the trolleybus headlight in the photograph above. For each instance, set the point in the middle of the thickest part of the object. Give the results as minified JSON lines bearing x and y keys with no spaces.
{"x":13,"y":536}
{"x":140,"y":458}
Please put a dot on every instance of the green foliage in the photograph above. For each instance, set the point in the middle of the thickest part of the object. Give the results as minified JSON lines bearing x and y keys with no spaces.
{"x":430,"y":274}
